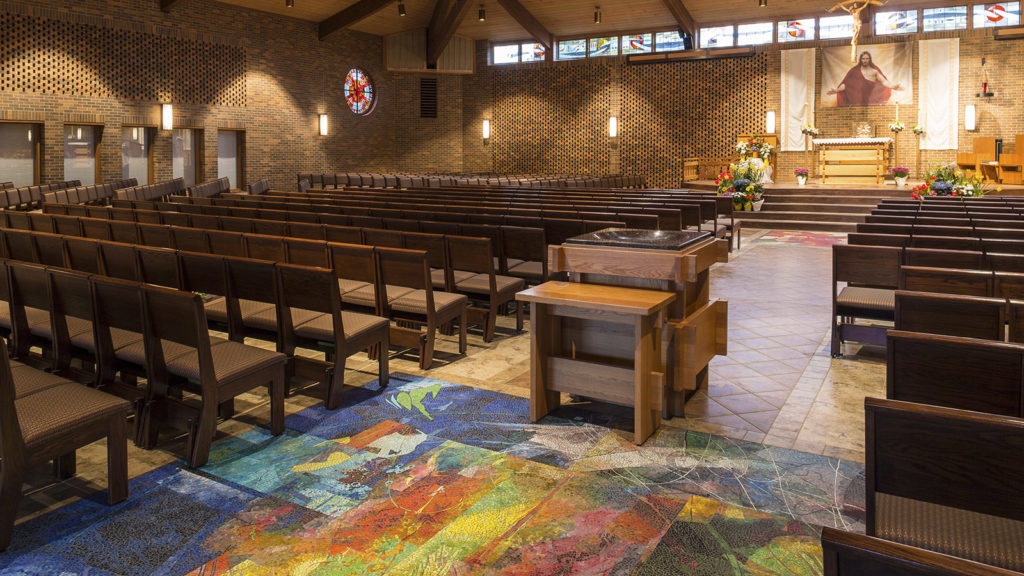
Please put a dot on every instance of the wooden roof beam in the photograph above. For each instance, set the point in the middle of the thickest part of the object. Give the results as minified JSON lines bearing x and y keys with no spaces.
{"x":166,"y":5}
{"x":438,"y":39}
{"x":359,"y":11}
{"x":529,"y":22}
{"x":682,"y":16}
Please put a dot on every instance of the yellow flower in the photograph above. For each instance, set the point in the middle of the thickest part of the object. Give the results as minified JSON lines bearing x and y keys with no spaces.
{"x":999,"y":189}
{"x":750,"y":188}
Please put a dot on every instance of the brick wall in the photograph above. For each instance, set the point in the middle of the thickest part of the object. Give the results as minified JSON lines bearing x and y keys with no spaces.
{"x":676,"y":110}
{"x":111,"y":62}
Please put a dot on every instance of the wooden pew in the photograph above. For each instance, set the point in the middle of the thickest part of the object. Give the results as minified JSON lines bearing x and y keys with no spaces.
{"x":872,"y":274}
{"x":946,"y":480}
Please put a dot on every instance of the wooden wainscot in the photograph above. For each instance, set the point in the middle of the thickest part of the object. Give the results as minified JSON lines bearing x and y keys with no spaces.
{"x":696,"y":328}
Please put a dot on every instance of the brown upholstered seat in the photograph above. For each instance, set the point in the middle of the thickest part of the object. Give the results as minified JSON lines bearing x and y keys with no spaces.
{"x":54,"y":409}
{"x":230,"y":360}
{"x":415,"y":301}
{"x":526,"y":269}
{"x":345,"y":285}
{"x":120,"y":339}
{"x":480,"y":284}
{"x":28,"y":380}
{"x":962,"y":533}
{"x":321,"y":327}
{"x":878,"y":299}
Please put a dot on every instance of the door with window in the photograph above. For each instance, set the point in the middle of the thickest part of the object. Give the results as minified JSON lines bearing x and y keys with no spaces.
{"x":19,"y":153}
{"x":136,"y":153}
{"x":185,"y":150}
{"x":231,"y":156}
{"x":80,"y":145}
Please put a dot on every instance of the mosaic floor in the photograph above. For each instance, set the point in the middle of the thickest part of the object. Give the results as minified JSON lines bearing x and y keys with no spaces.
{"x":427,"y":477}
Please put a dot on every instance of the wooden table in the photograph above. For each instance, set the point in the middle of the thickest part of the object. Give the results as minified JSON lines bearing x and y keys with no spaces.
{"x":620,"y":361}
{"x":853,"y":160}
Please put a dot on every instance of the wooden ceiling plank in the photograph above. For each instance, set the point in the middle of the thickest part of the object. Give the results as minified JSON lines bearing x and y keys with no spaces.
{"x":528,"y":21}
{"x":166,"y":5}
{"x":437,"y":40}
{"x":682,"y":16}
{"x":349,"y":16}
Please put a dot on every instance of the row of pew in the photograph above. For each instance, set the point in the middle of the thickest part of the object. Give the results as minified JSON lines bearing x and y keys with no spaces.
{"x":153,"y":191}
{"x":366,"y":180}
{"x":941,"y":286}
{"x":29,"y":197}
{"x":95,"y":194}
{"x":209,"y":189}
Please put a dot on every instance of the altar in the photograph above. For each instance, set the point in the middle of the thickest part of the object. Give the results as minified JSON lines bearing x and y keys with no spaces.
{"x":853,"y":160}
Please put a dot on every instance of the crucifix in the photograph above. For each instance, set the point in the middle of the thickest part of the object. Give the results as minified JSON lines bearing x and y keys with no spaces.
{"x":854,"y":8}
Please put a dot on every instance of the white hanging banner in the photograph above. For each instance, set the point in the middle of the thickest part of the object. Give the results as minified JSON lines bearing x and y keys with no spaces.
{"x":797,"y":96}
{"x":938,"y":90}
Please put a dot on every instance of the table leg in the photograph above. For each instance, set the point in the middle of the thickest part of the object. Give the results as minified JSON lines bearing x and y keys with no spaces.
{"x":645,"y":419}
{"x":542,"y":342}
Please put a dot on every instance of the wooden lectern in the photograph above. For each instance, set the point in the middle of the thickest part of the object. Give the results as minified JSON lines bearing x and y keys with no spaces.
{"x":695,"y":329}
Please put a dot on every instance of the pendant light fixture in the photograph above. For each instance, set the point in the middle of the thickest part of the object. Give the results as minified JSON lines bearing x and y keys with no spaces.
{"x":481,"y":14}
{"x":597,"y":14}
{"x":401,"y":8}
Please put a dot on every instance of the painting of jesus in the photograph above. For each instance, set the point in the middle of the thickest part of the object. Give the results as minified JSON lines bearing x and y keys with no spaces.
{"x":881,"y":75}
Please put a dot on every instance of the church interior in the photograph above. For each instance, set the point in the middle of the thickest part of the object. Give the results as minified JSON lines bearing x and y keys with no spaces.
{"x":453,"y":287}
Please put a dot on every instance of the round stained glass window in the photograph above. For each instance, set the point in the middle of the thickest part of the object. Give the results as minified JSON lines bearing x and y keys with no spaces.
{"x":359,"y":92}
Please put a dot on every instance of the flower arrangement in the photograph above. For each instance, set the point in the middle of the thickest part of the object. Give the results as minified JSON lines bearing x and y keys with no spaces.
{"x":742,"y":181}
{"x":896,"y":126}
{"x":946,"y":180}
{"x":801,"y":172}
{"x":755,"y":144}
{"x":900,"y":172}
{"x":918,"y":129}
{"x":809,"y":130}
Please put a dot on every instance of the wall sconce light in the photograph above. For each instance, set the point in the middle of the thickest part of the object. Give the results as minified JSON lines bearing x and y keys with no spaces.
{"x":769,"y":122}
{"x":481,"y":15}
{"x":29,"y":134}
{"x":613,"y":127}
{"x":762,"y":3}
{"x":597,"y":14}
{"x":166,"y":117}
{"x":970,"y":117}
{"x":323,"y":124}
{"x":289,"y":3}
{"x":401,"y":8}
{"x":487,"y":131}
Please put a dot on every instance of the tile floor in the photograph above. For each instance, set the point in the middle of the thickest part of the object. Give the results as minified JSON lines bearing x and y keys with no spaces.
{"x":778,"y":385}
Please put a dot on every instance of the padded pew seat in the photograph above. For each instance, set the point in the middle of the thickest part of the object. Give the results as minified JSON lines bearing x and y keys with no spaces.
{"x":980,"y":537}
{"x":321,"y":327}
{"x":481,"y":284}
{"x":875,"y":303}
{"x":415,"y":301}
{"x":51,"y":412}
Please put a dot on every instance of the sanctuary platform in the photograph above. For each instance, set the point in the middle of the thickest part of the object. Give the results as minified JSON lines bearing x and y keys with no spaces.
{"x":823,"y":207}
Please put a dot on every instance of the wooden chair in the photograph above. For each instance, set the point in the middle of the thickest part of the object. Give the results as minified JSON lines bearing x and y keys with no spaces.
{"x":872,"y":275}
{"x":71,"y":323}
{"x":336,"y":333}
{"x":21,"y":245}
{"x":355,"y":267}
{"x":50,"y":420}
{"x":525,"y":254}
{"x":49,"y":248}
{"x":270,"y":227}
{"x":226,"y":243}
{"x":250,"y":308}
{"x":306,"y":230}
{"x":307,"y":252}
{"x":206,"y":275}
{"x":848,"y":554}
{"x":947,"y":281}
{"x":191,"y":239}
{"x":945,"y":480}
{"x":969,"y":259}
{"x":222,"y":368}
{"x":30,"y":311}
{"x":951,"y":315}
{"x":156,"y":235}
{"x":437,"y":256}
{"x":158,"y":266}
{"x":1015,"y":320}
{"x":408,"y":295}
{"x":127,"y":232}
{"x":264,"y":247}
{"x":343,"y":234}
{"x":82,"y":254}
{"x":474,"y":256}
